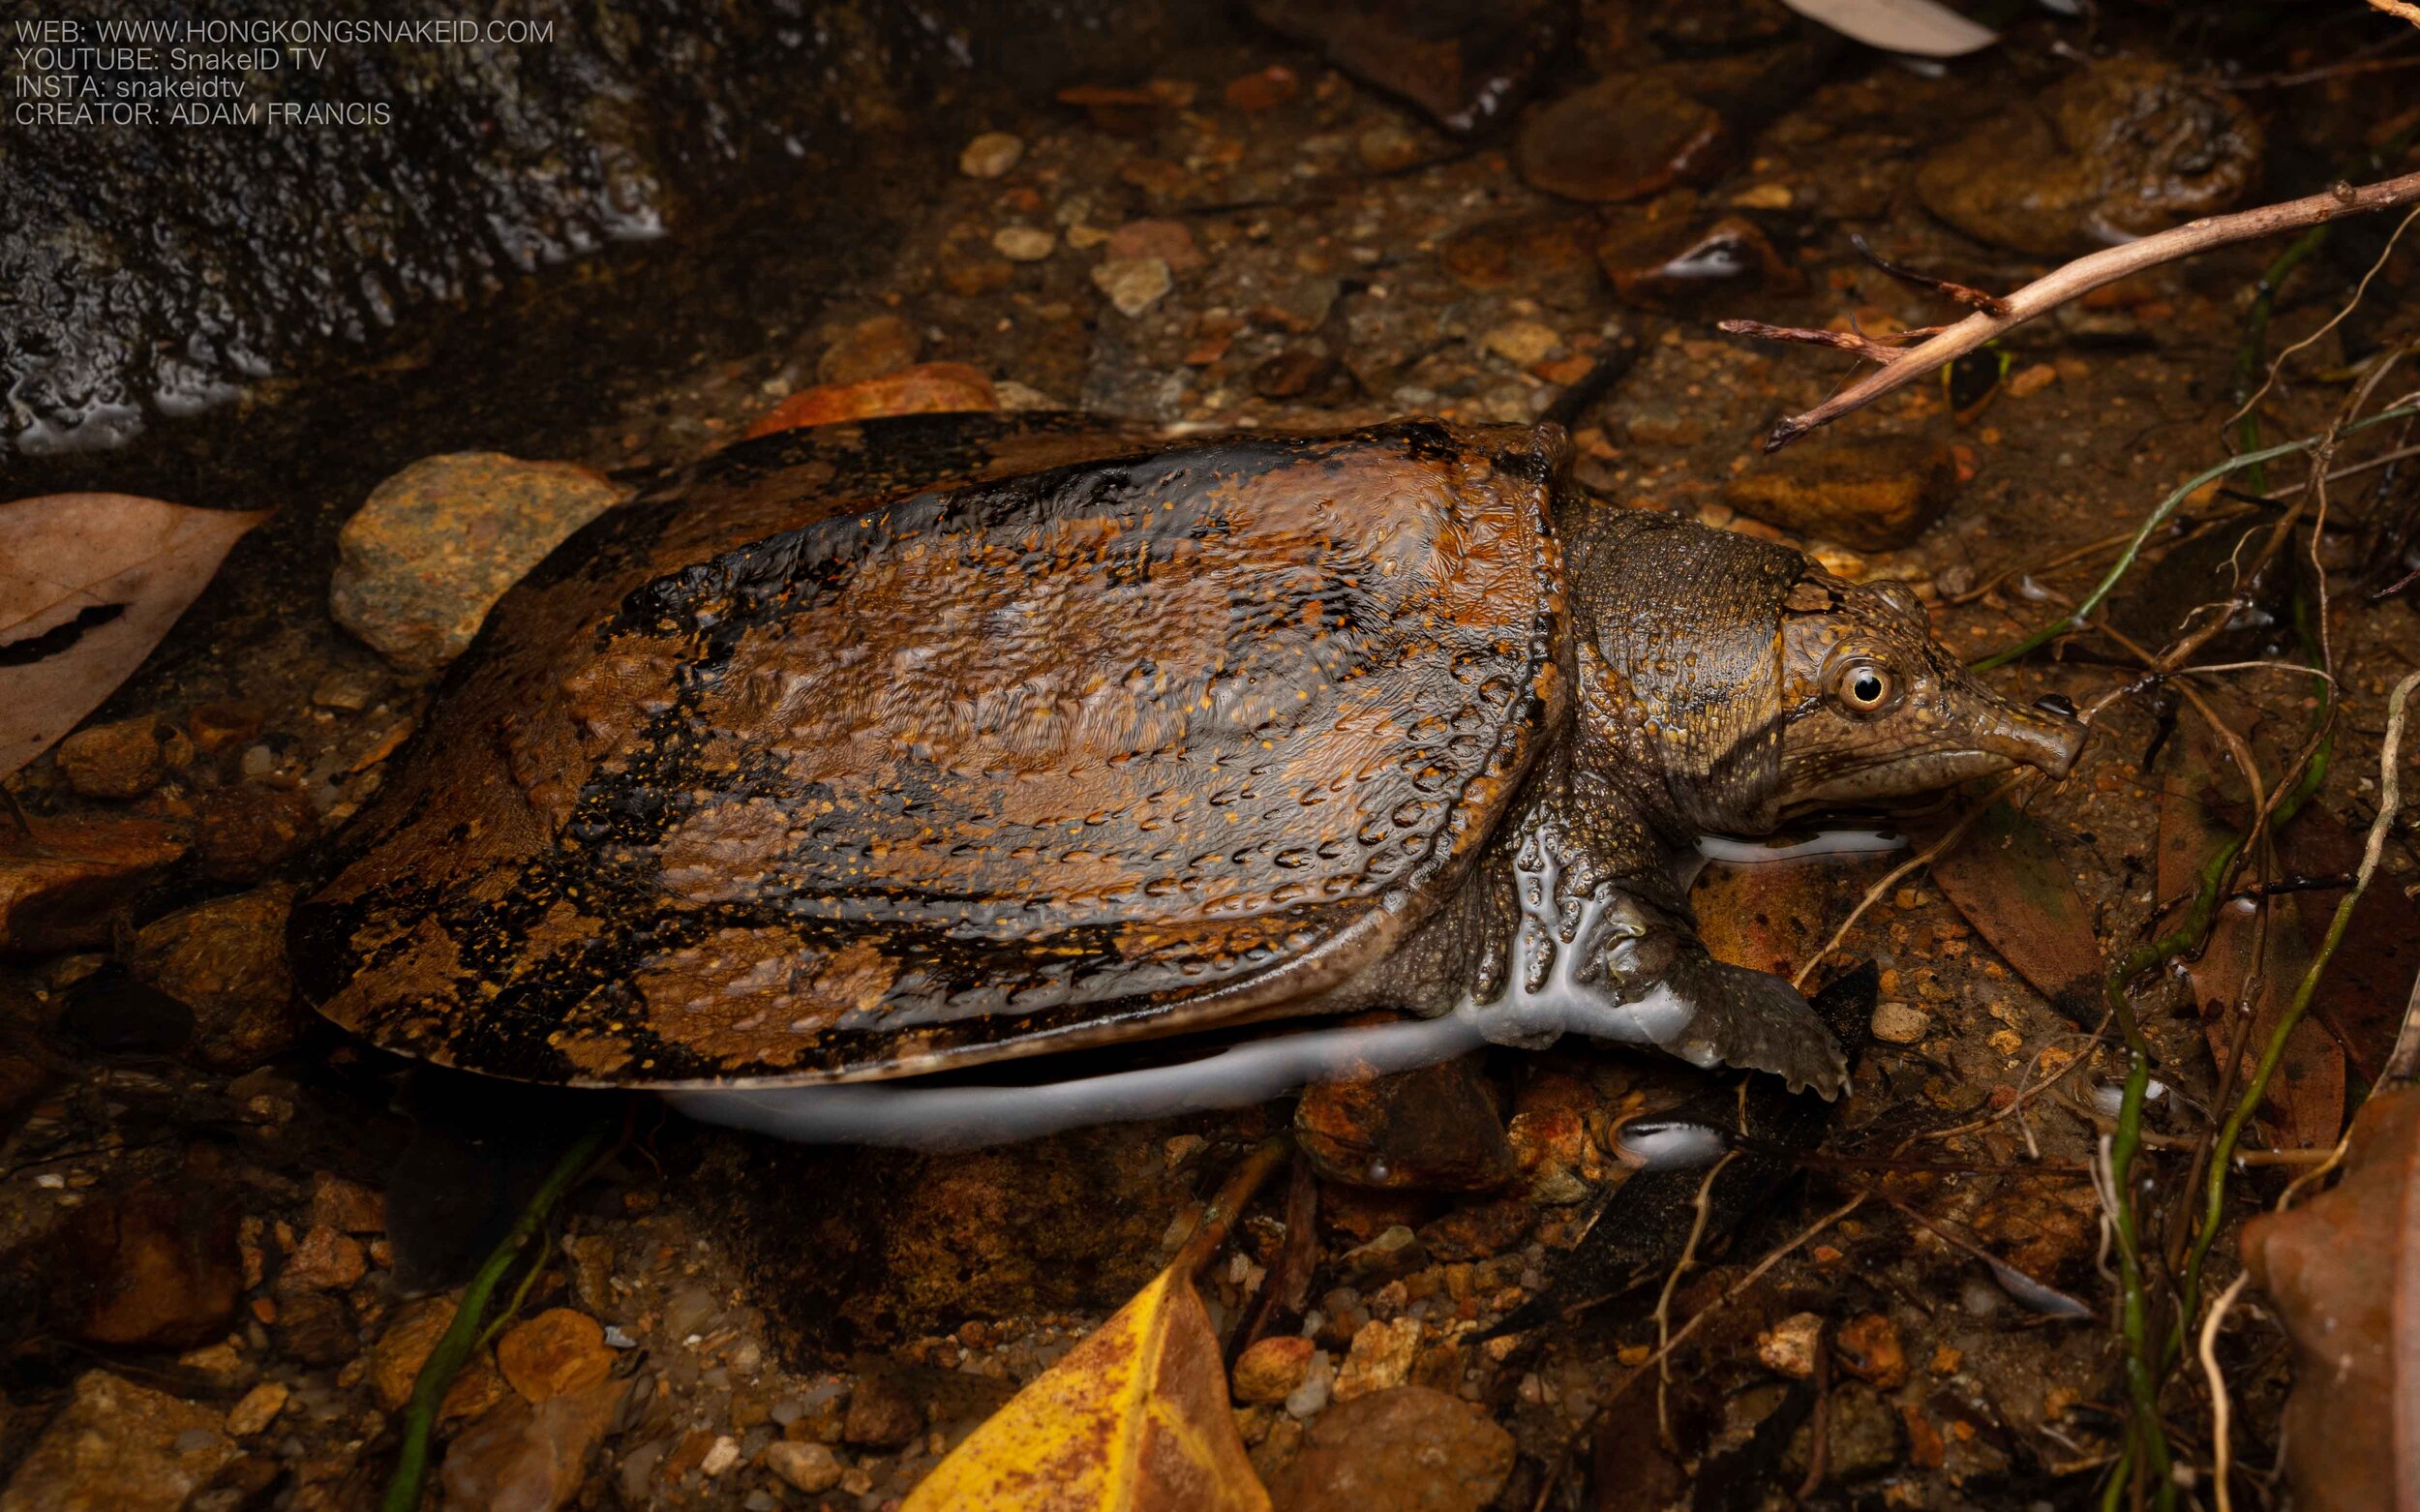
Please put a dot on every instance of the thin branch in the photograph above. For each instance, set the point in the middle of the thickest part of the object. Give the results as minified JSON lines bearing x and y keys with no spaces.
{"x":2088,"y":273}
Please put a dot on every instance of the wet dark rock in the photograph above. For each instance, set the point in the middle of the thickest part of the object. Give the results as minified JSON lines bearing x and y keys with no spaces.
{"x":433,"y":547}
{"x":1868,"y":1347}
{"x":1693,"y":28}
{"x":317,"y":1328}
{"x":1272,"y":1368}
{"x":110,"y":1013}
{"x":542,"y":152}
{"x":324,"y":1259}
{"x":226,"y":961}
{"x":155,"y":1265}
{"x":2117,"y":150}
{"x":1300,"y":373}
{"x":1527,"y":250}
{"x":62,"y":881}
{"x":1676,"y":262}
{"x":1466,"y":64}
{"x":122,"y":760}
{"x":1433,"y":1129}
{"x":244,"y":832}
{"x":1625,"y":136}
{"x":1395,"y":1251}
{"x":882,"y":1413}
{"x":347,"y":1206}
{"x":1870,"y":492}
{"x":120,"y":1446}
{"x":1408,"y":1448}
{"x":523,"y":1457}
{"x":1862,"y":1436}
{"x":869,"y":348}
{"x":1479,"y":1230}
{"x":559,"y":1351}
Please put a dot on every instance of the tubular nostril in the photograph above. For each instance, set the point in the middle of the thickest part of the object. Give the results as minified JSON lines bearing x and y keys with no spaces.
{"x":2056,"y":703}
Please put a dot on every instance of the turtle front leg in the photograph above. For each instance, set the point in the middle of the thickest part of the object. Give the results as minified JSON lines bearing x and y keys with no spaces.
{"x":1619,"y":959}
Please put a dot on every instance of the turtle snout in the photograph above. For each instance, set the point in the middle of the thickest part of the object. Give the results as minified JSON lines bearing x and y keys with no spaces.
{"x":2047,"y":736}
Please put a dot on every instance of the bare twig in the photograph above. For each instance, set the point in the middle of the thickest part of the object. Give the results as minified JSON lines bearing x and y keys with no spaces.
{"x":2403,"y":8}
{"x":2080,"y":277}
{"x":1959,"y":293}
{"x":1663,"y":1303}
{"x":2219,"y":1402}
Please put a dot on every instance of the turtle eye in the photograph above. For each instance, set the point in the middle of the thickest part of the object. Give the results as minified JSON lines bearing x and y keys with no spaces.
{"x":1863,"y":687}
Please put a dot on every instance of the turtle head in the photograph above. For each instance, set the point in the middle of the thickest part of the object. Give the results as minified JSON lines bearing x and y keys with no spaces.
{"x":1873,"y":707}
{"x":1752,"y":685}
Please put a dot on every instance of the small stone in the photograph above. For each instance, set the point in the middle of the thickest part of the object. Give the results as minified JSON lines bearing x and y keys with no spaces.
{"x":1523,"y":343}
{"x":225,"y":960}
{"x":1900,"y":1023}
{"x":1380,"y":1357}
{"x":394,"y":1360}
{"x":1388,"y":147}
{"x":1170,"y":241}
{"x":120,"y":1447}
{"x":807,"y":1465}
{"x":558,"y":1351}
{"x":1662,"y":264}
{"x":1395,"y":1251}
{"x":1869,"y":1347}
{"x":1266,"y":90}
{"x":1788,"y":1348}
{"x":1132,"y":284}
{"x":1273,"y":1368}
{"x":1428,"y":1129}
{"x":877,"y":344}
{"x":1872,"y":492}
{"x":991,"y":155}
{"x":529,"y":1458}
{"x":1478,"y":1231}
{"x":1625,"y":136}
{"x":930,"y":389}
{"x":1318,"y":1384}
{"x":121,"y":759}
{"x":257,"y":1409}
{"x":326,"y":1260}
{"x":245,"y":831}
{"x":723,"y":1455}
{"x":156,"y":1265}
{"x":688,"y":1312}
{"x":1024,"y":243}
{"x":882,"y":1415}
{"x":1410,"y":1448}
{"x":2032,"y":379}
{"x":1763,"y":197}
{"x":434,"y":546}
{"x":347,"y":1206}
{"x":317,"y":1328}
{"x":349,"y":691}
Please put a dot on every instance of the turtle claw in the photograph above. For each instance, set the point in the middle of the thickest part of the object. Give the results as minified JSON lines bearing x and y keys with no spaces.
{"x":1753,"y":1020}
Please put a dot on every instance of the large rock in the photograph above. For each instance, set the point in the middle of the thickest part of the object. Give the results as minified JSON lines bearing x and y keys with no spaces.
{"x":119,"y":1447}
{"x":524,"y":1457}
{"x":62,"y":881}
{"x":2115,"y":151}
{"x":225,"y":960}
{"x":434,"y":546}
{"x":1870,"y":492}
{"x":1408,"y":1449}
{"x":155,"y":1265}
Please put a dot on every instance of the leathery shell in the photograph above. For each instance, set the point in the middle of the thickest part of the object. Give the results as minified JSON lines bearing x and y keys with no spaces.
{"x":877,"y":749}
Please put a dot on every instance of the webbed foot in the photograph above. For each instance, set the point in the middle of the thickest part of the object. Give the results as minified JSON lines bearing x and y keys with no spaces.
{"x":1753,"y":1020}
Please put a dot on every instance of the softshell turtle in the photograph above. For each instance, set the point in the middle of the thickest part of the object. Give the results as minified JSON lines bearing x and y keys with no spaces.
{"x":874,"y":749}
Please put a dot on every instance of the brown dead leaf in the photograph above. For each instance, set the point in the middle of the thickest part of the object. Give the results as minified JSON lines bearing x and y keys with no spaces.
{"x":930,"y":389}
{"x":1772,"y":916}
{"x":2341,"y":1269}
{"x":88,"y":585}
{"x":1134,"y":1419}
{"x":2008,"y":879}
{"x":2305,"y":1106}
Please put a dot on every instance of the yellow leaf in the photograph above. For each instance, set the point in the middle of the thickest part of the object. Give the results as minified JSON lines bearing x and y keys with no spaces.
{"x":1133,"y":1419}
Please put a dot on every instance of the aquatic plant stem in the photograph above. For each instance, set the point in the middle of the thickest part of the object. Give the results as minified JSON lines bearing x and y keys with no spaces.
{"x":2075,"y":620}
{"x":463,"y":1335}
{"x":1217,"y":1219}
{"x":2231,"y":1132}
